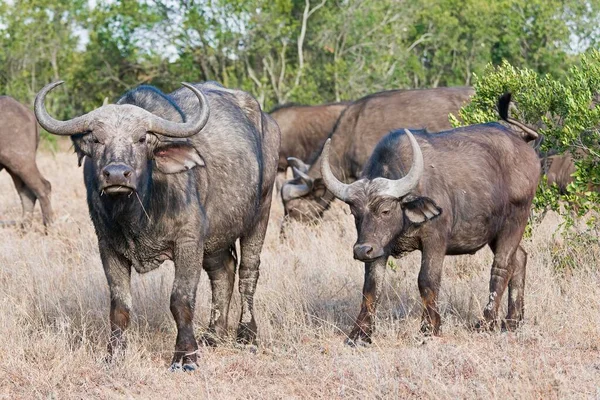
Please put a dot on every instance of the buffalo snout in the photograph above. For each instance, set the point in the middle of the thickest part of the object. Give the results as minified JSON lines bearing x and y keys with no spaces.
{"x":367,"y":252}
{"x":118,"y":178}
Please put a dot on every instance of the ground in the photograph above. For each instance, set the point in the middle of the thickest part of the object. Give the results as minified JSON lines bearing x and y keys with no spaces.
{"x":54,"y":319}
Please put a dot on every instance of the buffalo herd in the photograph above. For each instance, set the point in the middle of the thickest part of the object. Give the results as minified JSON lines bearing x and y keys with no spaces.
{"x":184,"y":176}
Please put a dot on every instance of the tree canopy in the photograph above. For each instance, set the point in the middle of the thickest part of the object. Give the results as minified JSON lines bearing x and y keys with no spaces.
{"x":308,"y":51}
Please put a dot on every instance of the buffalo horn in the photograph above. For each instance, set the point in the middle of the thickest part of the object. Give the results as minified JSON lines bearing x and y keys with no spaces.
{"x":339,"y":189}
{"x":70,"y":127}
{"x":401,"y":187}
{"x":186,"y":129}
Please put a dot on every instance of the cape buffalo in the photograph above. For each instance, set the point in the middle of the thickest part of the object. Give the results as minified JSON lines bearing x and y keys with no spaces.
{"x":19,"y":138}
{"x":443,"y":194}
{"x":356,"y":133}
{"x":304,"y":129}
{"x":169,"y":178}
{"x":560,"y":170}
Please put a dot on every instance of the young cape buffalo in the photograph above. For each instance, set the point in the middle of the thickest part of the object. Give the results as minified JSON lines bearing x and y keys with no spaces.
{"x":163,"y":187}
{"x":443,"y":194}
{"x":355,"y":135}
{"x":19,"y":138}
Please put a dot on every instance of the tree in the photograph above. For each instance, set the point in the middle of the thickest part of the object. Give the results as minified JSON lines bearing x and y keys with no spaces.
{"x":567,"y":113}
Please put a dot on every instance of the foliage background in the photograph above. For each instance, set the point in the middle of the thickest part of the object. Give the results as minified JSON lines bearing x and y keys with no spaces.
{"x":308,"y":51}
{"x":565,"y":111}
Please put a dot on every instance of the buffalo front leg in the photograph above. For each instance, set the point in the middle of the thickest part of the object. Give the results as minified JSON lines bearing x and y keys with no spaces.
{"x":430,"y":276}
{"x":373,"y":285}
{"x":118,"y":274}
{"x":221,"y":272}
{"x":188,"y":265}
{"x":516,"y":290}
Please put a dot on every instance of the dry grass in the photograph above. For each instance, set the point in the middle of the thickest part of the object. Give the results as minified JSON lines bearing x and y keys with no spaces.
{"x":54,"y":320}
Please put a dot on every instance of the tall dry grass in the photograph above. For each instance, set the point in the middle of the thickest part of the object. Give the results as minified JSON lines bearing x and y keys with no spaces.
{"x":54,"y":319}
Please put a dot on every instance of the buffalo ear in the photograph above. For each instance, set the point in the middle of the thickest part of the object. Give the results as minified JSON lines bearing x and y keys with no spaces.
{"x":172,"y":158}
{"x":82,"y":145}
{"x":419,"y":210}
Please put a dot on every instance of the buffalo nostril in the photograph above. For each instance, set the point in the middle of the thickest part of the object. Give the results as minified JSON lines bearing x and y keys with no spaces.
{"x":368,"y":250}
{"x":127,"y":173}
{"x":106,"y":173}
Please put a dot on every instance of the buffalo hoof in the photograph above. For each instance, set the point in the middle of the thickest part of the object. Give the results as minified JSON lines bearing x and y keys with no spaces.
{"x":358,"y":342}
{"x":427,"y":329}
{"x":246,"y":334}
{"x":511,"y":325}
{"x":358,"y":338}
{"x":187,"y":367}
{"x":252,"y":348}
{"x":210,"y":339}
{"x":484,"y":325}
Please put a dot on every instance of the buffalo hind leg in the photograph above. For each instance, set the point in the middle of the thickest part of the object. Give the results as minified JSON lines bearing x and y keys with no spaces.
{"x":516,"y":290}
{"x":430,"y":276}
{"x":40,"y":187}
{"x":251,"y":247}
{"x":28,"y":200}
{"x":188,"y":266}
{"x":372,"y":287}
{"x":221,"y":272}
{"x":504,"y":248}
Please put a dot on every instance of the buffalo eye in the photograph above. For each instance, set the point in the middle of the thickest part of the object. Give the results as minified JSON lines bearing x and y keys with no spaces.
{"x":96,"y":140}
{"x":385,"y":212}
{"x":142,"y":139}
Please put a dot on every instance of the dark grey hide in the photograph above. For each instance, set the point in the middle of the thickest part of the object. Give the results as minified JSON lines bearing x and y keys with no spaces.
{"x":19,"y":138}
{"x":187,"y":199}
{"x":443,"y":194}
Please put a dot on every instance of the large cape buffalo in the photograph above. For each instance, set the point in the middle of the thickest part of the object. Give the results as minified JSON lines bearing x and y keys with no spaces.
{"x":178,"y":177}
{"x":355,"y":135}
{"x":443,"y":194}
{"x":19,"y":138}
{"x":304,"y":129}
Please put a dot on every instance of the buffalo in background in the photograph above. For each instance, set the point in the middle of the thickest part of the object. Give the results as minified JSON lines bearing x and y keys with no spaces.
{"x":19,"y":138}
{"x":304,"y":129}
{"x":357,"y":131}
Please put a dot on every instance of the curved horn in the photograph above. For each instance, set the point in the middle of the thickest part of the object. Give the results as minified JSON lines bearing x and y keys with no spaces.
{"x":303,"y":177}
{"x":290,"y":191}
{"x":298,"y":164}
{"x":339,"y":189}
{"x":186,"y":129}
{"x":401,"y":187}
{"x":70,"y":127}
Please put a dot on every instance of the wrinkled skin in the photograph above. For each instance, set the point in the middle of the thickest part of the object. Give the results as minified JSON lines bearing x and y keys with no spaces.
{"x":182,"y":199}
{"x":476,"y":189}
{"x":19,"y":138}
{"x":356,"y":133}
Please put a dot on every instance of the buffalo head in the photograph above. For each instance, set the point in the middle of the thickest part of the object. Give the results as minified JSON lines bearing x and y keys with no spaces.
{"x":303,"y":196}
{"x":383,"y":209}
{"x":122,"y":141}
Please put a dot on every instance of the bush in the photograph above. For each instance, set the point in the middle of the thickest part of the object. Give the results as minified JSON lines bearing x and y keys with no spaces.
{"x":567,"y":114}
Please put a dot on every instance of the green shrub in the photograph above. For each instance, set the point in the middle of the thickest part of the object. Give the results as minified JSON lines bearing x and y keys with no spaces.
{"x":565,"y":112}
